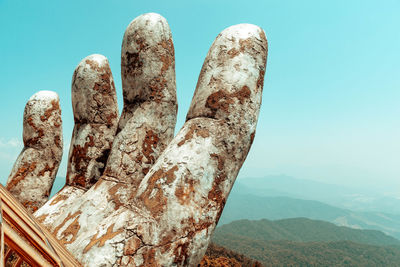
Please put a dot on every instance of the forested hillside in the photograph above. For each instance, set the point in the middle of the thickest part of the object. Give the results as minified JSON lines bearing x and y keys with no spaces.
{"x":302,"y":230}
{"x":252,"y":207}
{"x":290,"y":253}
{"x":217,"y":256}
{"x":305,"y":242}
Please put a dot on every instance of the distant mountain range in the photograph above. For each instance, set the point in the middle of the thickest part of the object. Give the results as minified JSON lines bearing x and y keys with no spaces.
{"x":240,"y":206}
{"x":302,"y":230}
{"x":305,"y":242}
{"x":357,"y":199}
{"x":280,"y":197}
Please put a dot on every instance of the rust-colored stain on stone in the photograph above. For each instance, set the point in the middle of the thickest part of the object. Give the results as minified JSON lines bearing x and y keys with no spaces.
{"x":47,"y":168}
{"x":215,"y":193}
{"x":102,"y":239}
{"x":194,"y":130}
{"x":145,"y":170}
{"x":149,"y":258}
{"x":260,"y":81}
{"x":220,"y":161}
{"x":132,"y":245}
{"x":169,"y":46}
{"x":78,"y":156}
{"x":35,"y":140}
{"x":156,"y":203}
{"x":263,"y":36}
{"x":242,"y":94}
{"x":133,"y":62}
{"x":70,"y":216}
{"x":41,"y":218}
{"x":149,"y":144}
{"x":156,"y":86}
{"x":23,"y":171}
{"x":54,"y":107}
{"x":140,"y":42}
{"x":58,"y":198}
{"x":57,"y":123}
{"x":221,"y":100}
{"x":95,"y":65}
{"x":218,"y":101}
{"x":113,"y":195}
{"x":233,"y":52}
{"x":245,"y":44}
{"x":29,"y":120}
{"x":104,"y":87}
{"x":183,"y":193}
{"x":167,"y":61}
{"x":181,"y":253}
{"x":39,"y":131}
{"x":71,"y":232}
{"x":110,"y":118}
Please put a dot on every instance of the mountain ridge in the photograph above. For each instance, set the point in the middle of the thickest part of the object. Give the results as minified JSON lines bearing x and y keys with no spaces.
{"x":305,"y":242}
{"x":303,"y":230}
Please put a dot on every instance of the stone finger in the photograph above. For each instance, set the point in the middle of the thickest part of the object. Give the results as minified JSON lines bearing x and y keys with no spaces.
{"x":35,"y":169}
{"x":95,"y":107}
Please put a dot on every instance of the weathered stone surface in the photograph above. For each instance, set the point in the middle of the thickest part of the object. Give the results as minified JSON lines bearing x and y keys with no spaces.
{"x":147,"y":64}
{"x":36,"y":167}
{"x":94,"y":102}
{"x":138,"y":145}
{"x":59,"y":204}
{"x":156,"y":206}
{"x":148,"y":118}
{"x":233,"y":71}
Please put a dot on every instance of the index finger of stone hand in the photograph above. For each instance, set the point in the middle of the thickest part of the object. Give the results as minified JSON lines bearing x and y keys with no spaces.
{"x":36,"y":167}
{"x":187,"y":187}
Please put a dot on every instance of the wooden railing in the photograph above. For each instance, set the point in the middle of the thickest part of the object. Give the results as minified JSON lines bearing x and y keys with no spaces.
{"x":26,"y":239}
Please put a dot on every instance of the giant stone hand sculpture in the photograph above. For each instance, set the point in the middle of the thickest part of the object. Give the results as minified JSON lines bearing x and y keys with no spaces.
{"x":135,"y":195}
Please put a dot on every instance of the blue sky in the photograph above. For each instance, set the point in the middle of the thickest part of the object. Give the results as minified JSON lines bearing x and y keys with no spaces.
{"x":330,"y":108}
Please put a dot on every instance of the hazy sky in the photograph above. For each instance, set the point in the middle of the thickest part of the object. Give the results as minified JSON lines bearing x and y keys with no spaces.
{"x":331,"y":98}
